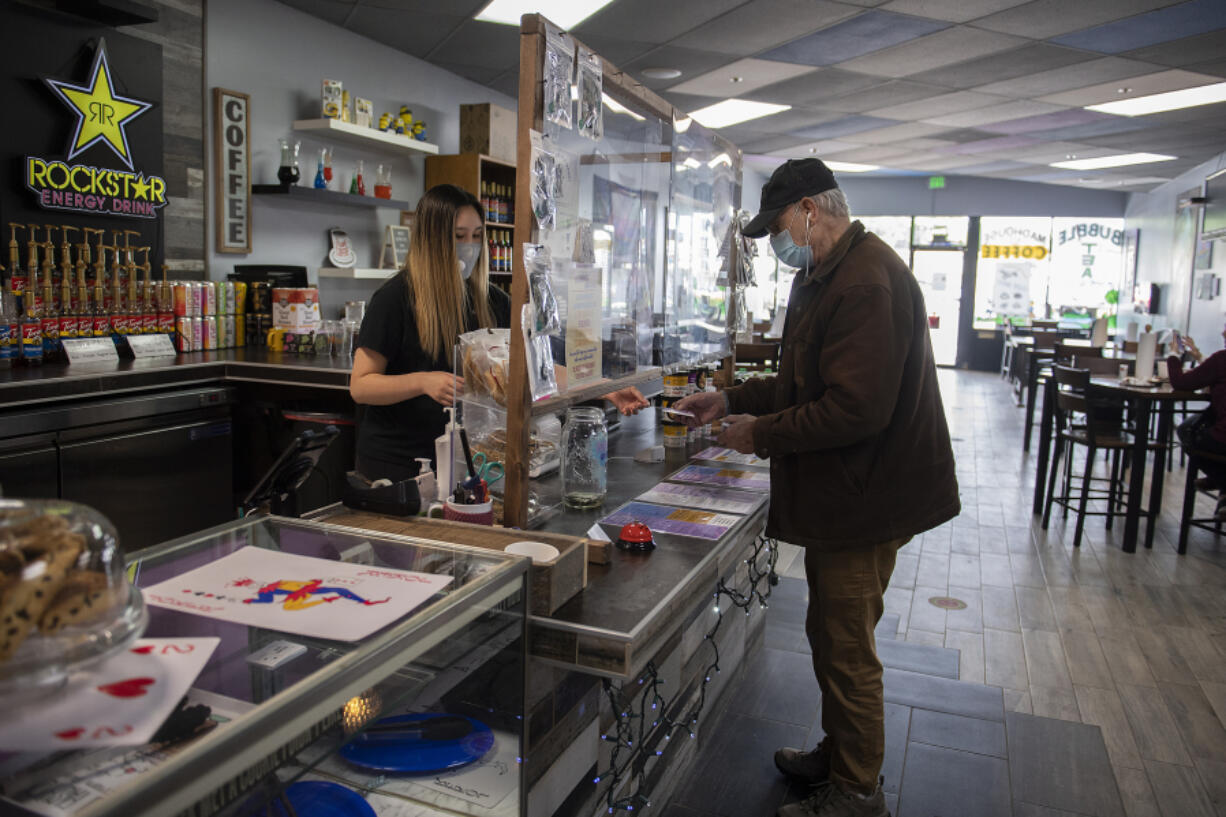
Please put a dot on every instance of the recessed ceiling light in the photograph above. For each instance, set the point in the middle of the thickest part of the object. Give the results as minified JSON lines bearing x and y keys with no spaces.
{"x":850,"y":167}
{"x":1119,"y":160}
{"x":1169,"y":101}
{"x":660,"y":73}
{"x":565,"y":13}
{"x":735,"y":80}
{"x":1070,"y":156}
{"x":732,"y":111}
{"x":1123,"y":90}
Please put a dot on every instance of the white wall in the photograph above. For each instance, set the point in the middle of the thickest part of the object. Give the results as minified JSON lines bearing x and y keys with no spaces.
{"x":1153,"y":214}
{"x":279,"y":56}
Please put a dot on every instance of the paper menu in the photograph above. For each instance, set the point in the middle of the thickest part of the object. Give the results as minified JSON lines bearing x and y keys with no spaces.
{"x":731,"y":477}
{"x":678,"y":521}
{"x":297,"y":594}
{"x":705,"y":497}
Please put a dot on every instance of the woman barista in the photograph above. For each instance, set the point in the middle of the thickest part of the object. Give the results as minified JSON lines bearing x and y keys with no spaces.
{"x":402,"y":368}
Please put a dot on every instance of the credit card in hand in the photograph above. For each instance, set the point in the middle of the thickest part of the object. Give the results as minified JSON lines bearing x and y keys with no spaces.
{"x":681,"y":413}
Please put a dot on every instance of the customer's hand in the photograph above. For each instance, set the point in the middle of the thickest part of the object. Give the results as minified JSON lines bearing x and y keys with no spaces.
{"x":706,"y":406}
{"x":1190,"y":345}
{"x":628,"y":400}
{"x":441,"y":387}
{"x":737,"y":433}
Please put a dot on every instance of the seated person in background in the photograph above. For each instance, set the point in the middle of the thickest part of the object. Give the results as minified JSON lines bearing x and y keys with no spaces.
{"x":1202,"y":435}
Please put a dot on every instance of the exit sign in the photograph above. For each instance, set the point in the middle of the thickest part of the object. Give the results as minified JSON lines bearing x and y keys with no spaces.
{"x":936,"y":182}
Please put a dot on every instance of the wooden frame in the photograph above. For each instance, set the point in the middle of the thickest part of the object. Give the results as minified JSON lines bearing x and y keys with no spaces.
{"x":232,"y":171}
{"x":625,"y":90}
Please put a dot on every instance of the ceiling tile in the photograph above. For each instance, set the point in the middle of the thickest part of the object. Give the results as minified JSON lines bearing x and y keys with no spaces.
{"x":1186,"y":51}
{"x":795,"y":119}
{"x":746,"y":133}
{"x":955,"y":11}
{"x":1215,"y":67}
{"x":1104,"y":69}
{"x":942,"y":48}
{"x":1001,"y":143}
{"x":459,"y":8}
{"x":863,"y":34}
{"x":1115,"y":124}
{"x":874,"y":155}
{"x":417,"y":34}
{"x":686,"y":102}
{"x":1174,"y":79}
{"x":689,"y":62}
{"x":650,"y":20}
{"x":978,"y":117}
{"x":821,"y":149}
{"x":824,"y":84}
{"x":939,"y":105}
{"x":1020,"y":62}
{"x":1041,"y":19}
{"x":488,"y":45}
{"x":618,"y":52}
{"x":334,"y":11}
{"x":965,"y":135}
{"x":991,"y":167}
{"x":846,"y":126}
{"x":474,"y":72}
{"x":741,"y":77}
{"x":770,"y":143}
{"x":1061,"y":119}
{"x":894,"y":92}
{"x":1160,"y":26}
{"x":762,"y":24}
{"x":896,"y":133}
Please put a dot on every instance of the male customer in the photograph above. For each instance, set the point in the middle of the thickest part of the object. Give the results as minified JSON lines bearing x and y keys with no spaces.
{"x":859,"y":454}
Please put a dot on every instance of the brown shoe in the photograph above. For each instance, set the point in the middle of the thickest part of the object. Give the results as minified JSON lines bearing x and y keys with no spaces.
{"x":810,"y":767}
{"x":828,"y":800}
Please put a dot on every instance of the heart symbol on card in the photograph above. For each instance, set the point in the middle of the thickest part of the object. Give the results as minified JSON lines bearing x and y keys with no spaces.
{"x":70,"y":734}
{"x":128,"y":688}
{"x":145,"y":650}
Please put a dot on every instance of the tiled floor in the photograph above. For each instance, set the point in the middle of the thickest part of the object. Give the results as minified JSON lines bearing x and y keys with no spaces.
{"x":1051,"y":639}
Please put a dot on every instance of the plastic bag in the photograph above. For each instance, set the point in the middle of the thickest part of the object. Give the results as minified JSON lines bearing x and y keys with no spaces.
{"x":591,"y":98}
{"x":539,"y":263}
{"x":486,"y":356}
{"x":544,"y":183}
{"x":559,"y":68}
{"x":542,"y":381}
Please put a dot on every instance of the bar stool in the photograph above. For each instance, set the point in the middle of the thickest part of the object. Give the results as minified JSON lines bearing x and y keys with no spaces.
{"x":1096,"y":433}
{"x":1186,"y":520}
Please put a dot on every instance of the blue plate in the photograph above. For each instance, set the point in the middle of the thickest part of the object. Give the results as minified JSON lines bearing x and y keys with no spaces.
{"x":419,"y":743}
{"x":318,"y":798}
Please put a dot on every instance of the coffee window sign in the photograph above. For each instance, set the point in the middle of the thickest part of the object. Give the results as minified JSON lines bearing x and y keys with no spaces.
{"x":102,"y":117}
{"x":232,"y":169}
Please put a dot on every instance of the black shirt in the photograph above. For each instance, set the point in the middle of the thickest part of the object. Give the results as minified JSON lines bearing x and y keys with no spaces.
{"x":397,"y":434}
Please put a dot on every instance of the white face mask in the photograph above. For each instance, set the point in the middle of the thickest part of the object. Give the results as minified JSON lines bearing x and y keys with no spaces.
{"x":467,"y":253}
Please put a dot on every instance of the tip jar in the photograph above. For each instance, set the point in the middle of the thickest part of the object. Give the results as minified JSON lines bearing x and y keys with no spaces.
{"x":585,"y":458}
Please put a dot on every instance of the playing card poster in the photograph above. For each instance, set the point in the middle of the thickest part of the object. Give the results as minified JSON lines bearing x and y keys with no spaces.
{"x":297,"y":594}
{"x":679,"y":521}
{"x":729,"y":477}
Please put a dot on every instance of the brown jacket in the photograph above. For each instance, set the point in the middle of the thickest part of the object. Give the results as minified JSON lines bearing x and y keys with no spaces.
{"x":853,"y":422}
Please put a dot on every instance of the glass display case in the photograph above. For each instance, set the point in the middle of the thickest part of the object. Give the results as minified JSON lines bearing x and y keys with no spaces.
{"x":424,"y":716}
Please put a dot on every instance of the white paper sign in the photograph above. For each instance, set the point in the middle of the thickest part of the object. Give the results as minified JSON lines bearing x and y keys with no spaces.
{"x":90,"y":350}
{"x":583,"y":330}
{"x":144,"y":346}
{"x":297,"y":594}
{"x":121,"y":702}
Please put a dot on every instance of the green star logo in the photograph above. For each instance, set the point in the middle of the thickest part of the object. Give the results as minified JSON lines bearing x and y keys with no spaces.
{"x":102,"y":114}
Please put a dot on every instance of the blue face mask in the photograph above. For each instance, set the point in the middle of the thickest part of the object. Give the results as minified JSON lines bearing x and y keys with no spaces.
{"x":467,"y":253}
{"x":788,"y":251}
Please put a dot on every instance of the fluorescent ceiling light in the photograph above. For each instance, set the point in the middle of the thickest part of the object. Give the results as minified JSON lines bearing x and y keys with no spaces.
{"x":1169,"y":101}
{"x":732,"y":111}
{"x":616,"y":107}
{"x":564,"y":13}
{"x":1119,"y":160}
{"x":850,"y":167}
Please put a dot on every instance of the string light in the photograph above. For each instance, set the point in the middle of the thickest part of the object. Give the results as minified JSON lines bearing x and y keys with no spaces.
{"x":630,"y":725}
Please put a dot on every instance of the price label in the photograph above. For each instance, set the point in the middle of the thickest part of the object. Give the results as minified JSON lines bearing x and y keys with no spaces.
{"x":90,"y":350}
{"x":151,"y":346}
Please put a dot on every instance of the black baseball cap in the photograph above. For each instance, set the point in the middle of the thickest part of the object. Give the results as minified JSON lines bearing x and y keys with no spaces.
{"x":791,"y":182}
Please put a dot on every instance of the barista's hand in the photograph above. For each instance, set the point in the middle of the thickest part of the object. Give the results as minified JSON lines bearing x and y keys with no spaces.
{"x":706,"y":406}
{"x":441,"y":387}
{"x":737,"y":433}
{"x":628,"y":400}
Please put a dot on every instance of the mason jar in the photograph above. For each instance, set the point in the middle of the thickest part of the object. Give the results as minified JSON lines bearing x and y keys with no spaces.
{"x":585,"y":457}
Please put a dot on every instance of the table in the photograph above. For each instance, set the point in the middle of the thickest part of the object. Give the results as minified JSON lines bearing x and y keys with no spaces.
{"x":1034,"y":361}
{"x":1141,"y":400}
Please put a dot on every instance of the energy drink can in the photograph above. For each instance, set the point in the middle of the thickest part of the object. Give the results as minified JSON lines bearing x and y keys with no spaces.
{"x":183,"y":334}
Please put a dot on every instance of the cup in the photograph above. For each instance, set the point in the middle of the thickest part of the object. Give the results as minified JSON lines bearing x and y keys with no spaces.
{"x":1123,"y":371}
{"x":539,"y":552}
{"x":1163,"y":372}
{"x":349,"y":338}
{"x":480,"y":514}
{"x":333,"y":330}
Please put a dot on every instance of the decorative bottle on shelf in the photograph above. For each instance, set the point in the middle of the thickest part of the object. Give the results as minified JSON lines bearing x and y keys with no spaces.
{"x":327,"y":154}
{"x":10,"y":328}
{"x":383,"y":182}
{"x":358,"y":186}
{"x":32,"y":323}
{"x":287,"y":173}
{"x":321,"y":181}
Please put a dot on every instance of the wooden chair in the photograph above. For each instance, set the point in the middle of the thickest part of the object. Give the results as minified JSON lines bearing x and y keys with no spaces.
{"x":1186,"y":518}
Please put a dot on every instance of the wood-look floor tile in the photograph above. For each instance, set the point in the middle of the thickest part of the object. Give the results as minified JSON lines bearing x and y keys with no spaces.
{"x":969,"y":619}
{"x":970,"y":645}
{"x":1005,"y":658}
{"x":1163,"y":657}
{"x":1034,"y":609}
{"x":933,"y":570}
{"x":1216,"y":695}
{"x":1199,"y":652}
{"x":1061,"y":765}
{"x":924,"y":615}
{"x":1103,"y":708}
{"x":1213,"y":778}
{"x":1178,"y":790}
{"x":1124,"y":656}
{"x":1087,"y":665}
{"x":992,"y":540}
{"x":1136,"y":793}
{"x":1018,"y":700}
{"x":1154,"y":729}
{"x":931,"y":639}
{"x":994,"y":569}
{"x":1198,"y":724}
{"x":1045,"y":659}
{"x":1055,"y":702}
{"x":1104,"y":607}
{"x":905,"y":567}
{"x":1027,"y":570}
{"x":963,"y":570}
{"x":999,"y":608}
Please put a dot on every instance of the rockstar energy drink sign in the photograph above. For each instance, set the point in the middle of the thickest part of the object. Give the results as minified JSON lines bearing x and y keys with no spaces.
{"x":102,"y":117}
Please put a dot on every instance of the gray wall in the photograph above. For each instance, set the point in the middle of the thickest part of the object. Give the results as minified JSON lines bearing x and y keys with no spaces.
{"x":1153,"y":214}
{"x":279,"y":56}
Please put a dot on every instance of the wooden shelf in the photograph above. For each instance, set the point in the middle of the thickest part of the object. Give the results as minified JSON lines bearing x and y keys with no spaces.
{"x":369,"y":138}
{"x":499,"y":225}
{"x":355,"y":273}
{"x":326,"y":197}
{"x":597,"y":389}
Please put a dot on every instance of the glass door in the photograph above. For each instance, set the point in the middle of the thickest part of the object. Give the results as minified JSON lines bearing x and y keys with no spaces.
{"x":938,"y":244}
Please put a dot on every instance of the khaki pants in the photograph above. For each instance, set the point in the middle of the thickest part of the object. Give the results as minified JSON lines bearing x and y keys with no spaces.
{"x":845,"y":604}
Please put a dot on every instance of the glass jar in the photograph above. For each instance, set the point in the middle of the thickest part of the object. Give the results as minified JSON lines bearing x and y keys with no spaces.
{"x":585,"y":458}
{"x":287,"y":172}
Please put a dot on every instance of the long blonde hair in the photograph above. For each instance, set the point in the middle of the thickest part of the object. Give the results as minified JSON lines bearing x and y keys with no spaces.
{"x":437,"y":294}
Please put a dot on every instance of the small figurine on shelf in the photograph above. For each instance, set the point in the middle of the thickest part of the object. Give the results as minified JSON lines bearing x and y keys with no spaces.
{"x":358,"y":185}
{"x":419,"y":131}
{"x":287,"y":173}
{"x":321,"y":182}
{"x":385,"y":122}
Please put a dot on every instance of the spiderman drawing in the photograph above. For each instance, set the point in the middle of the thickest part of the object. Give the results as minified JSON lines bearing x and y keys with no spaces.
{"x":301,"y":595}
